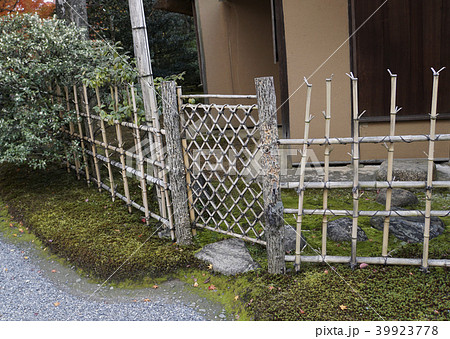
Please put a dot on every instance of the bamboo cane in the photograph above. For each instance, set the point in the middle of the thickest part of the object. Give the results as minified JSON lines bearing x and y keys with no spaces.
{"x":355,"y":160}
{"x":366,"y":184}
{"x":141,"y":158}
{"x":105,"y":141}
{"x":393,"y":113}
{"x":392,"y":213}
{"x":326,"y":165}
{"x":61,"y":116}
{"x":302,"y":178}
{"x":122,"y":162}
{"x":80,"y":131}
{"x":92,"y":138}
{"x":364,"y":140}
{"x":186,"y":166}
{"x":433,"y":117}
{"x":72,"y":131}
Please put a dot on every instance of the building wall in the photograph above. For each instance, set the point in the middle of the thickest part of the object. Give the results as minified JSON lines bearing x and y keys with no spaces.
{"x":316,"y":33}
{"x":236,"y":43}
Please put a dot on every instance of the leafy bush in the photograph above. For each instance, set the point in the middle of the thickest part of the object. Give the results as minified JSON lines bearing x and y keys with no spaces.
{"x":34,"y":55}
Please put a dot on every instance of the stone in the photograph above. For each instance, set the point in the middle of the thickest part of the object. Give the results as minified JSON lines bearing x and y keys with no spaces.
{"x":290,"y":239}
{"x":228,"y":257}
{"x":341,"y":230}
{"x":406,"y":170}
{"x":409,"y":229}
{"x":400,"y":198}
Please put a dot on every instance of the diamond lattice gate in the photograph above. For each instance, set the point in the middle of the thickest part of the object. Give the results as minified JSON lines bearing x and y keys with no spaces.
{"x":221,"y":149}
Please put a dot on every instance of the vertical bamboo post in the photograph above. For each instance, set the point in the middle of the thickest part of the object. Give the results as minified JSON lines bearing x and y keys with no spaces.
{"x":80,"y":132}
{"x":186,"y":166}
{"x":393,"y":113}
{"x":175,"y":164}
{"x":71,"y":131}
{"x":122,"y":162}
{"x":105,"y":141}
{"x":140,"y":157}
{"x":301,"y":189}
{"x":270,"y":163}
{"x":355,"y":162}
{"x":61,"y":116}
{"x":433,"y":117}
{"x":92,"y":138}
{"x":326,"y":165}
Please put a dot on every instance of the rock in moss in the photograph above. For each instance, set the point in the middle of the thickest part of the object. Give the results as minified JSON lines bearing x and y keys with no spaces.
{"x":400,"y":198}
{"x":410,"y":229}
{"x":228,"y":257}
{"x":341,"y":230}
{"x":406,"y":170}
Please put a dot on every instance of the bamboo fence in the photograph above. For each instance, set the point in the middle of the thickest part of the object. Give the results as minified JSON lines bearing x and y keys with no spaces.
{"x":97,"y":150}
{"x":356,"y":185}
{"x":219,"y":144}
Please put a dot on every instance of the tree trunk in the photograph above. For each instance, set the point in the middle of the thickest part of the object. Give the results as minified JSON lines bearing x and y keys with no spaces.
{"x":73,"y":11}
{"x":273,"y":206}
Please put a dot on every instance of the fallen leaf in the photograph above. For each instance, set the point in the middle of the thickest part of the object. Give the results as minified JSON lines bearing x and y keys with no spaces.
{"x":25,"y":258}
{"x":14,"y":235}
{"x":56,"y":304}
{"x":301,"y":311}
{"x":134,"y":300}
{"x":203,"y":274}
{"x":436,"y":311}
{"x":6,"y":270}
{"x":146,"y":300}
{"x":363,"y":265}
{"x":117,"y":231}
{"x":53,"y":271}
{"x":271,"y":288}
{"x":326,"y":271}
{"x":207,"y":280}
{"x":343,"y":307}
{"x":210,"y":266}
{"x":20,"y":230}
{"x":155,"y":286}
{"x":411,"y":273}
{"x":86,"y":200}
{"x":211,"y":287}
{"x":196,"y":284}
{"x":236,"y":297}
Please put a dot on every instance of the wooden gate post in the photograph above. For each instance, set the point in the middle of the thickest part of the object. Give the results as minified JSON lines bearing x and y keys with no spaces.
{"x":177,"y":173}
{"x":270,"y":163}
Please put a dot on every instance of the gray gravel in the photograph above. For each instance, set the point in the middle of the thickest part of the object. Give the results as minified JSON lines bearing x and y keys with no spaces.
{"x":26,"y":293}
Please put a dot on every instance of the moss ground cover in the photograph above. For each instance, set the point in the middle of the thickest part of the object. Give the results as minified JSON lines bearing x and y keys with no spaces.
{"x":84,"y":227}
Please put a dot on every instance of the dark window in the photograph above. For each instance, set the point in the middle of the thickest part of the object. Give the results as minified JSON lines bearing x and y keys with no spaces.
{"x":408,"y":37}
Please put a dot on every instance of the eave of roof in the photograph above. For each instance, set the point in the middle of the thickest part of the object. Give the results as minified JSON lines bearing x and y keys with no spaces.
{"x":176,"y":6}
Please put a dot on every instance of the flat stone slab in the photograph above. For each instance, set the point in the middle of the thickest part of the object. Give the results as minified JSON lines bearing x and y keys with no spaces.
{"x":228,"y":257}
{"x":406,"y":170}
{"x":409,"y":229}
{"x":400,"y":198}
{"x":341,"y":230}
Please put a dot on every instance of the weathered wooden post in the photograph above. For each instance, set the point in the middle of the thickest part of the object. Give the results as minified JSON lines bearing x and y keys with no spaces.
{"x":177,"y":174}
{"x":270,"y":163}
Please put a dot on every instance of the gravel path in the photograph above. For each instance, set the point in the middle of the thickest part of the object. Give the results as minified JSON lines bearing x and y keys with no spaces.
{"x":26,"y":293}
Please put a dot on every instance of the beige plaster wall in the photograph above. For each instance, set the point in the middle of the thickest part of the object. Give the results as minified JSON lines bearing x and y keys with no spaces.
{"x":237,"y":44}
{"x":315,"y":29}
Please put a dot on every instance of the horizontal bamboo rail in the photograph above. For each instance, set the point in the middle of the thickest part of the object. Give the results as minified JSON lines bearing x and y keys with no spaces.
{"x":220,"y":107}
{"x":392,"y":213}
{"x":235,"y":235}
{"x":367,"y":184}
{"x":117,"y":149}
{"x":365,"y":140}
{"x":130,"y":170}
{"x":122,"y":197}
{"x":127,"y":124}
{"x":369,"y":260}
{"x":217,"y":96}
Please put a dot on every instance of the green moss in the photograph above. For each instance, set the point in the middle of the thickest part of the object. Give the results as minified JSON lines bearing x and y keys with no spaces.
{"x":98,"y":236}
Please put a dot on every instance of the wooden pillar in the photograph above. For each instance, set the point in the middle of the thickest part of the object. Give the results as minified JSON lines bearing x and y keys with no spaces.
{"x":270,"y":161}
{"x":177,"y":173}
